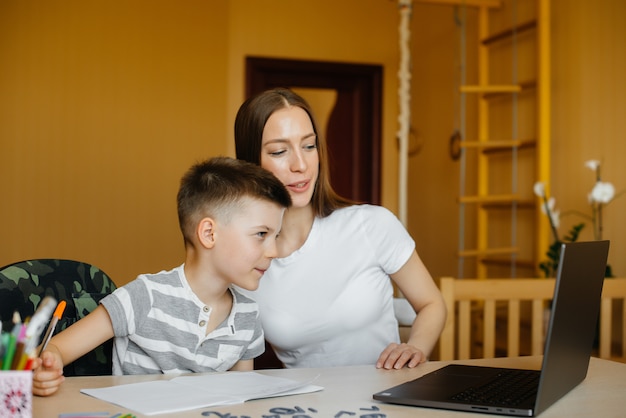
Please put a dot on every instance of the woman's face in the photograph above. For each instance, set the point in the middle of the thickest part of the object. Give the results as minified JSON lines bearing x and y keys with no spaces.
{"x":289,"y":151}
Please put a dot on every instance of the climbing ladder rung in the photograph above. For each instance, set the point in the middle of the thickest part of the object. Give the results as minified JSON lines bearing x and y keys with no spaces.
{"x":520,"y":204}
{"x":508,"y":33}
{"x":488,"y":251}
{"x":501,"y":198}
{"x":507,"y":262}
{"x":508,"y":145}
{"x":512,"y":143}
{"x":474,"y":3}
{"x":512,"y":88}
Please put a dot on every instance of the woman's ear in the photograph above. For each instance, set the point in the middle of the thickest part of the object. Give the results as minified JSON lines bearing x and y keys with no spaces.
{"x":206,"y":232}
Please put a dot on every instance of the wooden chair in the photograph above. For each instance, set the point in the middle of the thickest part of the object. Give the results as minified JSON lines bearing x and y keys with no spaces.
{"x":612,"y":343}
{"x":482,"y":305}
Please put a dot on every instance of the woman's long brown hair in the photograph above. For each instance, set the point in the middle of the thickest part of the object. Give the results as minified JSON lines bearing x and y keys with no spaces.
{"x":249,"y":124}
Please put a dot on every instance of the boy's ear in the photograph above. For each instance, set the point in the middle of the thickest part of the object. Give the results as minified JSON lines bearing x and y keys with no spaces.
{"x":206,"y":232}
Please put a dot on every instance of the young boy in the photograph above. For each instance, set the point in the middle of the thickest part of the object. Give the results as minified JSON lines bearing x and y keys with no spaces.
{"x":191,"y":318}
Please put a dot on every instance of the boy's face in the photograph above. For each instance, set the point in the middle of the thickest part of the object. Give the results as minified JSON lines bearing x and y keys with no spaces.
{"x":245,"y":246}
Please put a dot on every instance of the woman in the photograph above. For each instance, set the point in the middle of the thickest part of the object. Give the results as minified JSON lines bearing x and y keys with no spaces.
{"x":327,"y":299}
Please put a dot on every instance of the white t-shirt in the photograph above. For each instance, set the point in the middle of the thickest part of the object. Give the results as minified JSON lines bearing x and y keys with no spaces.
{"x":330,"y":303}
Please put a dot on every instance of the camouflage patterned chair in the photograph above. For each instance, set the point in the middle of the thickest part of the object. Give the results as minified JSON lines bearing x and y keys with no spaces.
{"x":24,"y":284}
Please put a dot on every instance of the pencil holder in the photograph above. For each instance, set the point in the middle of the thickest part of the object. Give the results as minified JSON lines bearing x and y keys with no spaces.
{"x":16,"y":394}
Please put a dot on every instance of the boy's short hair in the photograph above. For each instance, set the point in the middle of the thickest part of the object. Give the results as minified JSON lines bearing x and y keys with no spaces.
{"x":215,"y":187}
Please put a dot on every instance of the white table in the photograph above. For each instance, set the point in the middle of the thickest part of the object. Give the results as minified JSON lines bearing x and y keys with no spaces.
{"x":348,"y":393}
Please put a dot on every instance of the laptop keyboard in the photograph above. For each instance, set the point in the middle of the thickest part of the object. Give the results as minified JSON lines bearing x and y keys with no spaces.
{"x":508,"y":388}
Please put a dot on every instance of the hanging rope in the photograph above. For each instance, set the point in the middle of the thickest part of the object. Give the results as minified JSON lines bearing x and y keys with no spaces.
{"x":404,"y":95}
{"x":460,"y":19}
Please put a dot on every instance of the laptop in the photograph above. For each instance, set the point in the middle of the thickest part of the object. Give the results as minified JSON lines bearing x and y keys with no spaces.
{"x":568,"y":347}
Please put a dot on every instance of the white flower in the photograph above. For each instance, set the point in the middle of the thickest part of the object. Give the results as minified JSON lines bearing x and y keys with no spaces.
{"x":539,"y":189}
{"x":603,"y":192}
{"x":593,"y":164}
{"x":555,"y":215}
{"x":550,"y":206}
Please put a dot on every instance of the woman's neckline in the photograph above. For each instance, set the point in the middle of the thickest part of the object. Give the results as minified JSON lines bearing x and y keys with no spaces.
{"x":296,"y":229}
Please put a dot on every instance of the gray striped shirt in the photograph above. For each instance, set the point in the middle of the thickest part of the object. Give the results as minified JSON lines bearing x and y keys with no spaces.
{"x":160,"y":327}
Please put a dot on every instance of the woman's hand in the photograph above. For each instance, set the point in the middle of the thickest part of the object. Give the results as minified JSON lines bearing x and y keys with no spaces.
{"x":419,"y":289}
{"x":396,"y":356}
{"x":48,"y":373}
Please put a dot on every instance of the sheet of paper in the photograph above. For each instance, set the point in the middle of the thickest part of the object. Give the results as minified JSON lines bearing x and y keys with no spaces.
{"x":192,"y":392}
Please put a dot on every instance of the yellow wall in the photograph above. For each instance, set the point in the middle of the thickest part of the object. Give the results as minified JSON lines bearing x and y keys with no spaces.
{"x":433,"y":176}
{"x":103,"y":105}
{"x":589,"y":112}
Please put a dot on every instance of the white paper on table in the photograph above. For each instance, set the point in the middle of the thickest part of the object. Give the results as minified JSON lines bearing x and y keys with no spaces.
{"x":191,"y":392}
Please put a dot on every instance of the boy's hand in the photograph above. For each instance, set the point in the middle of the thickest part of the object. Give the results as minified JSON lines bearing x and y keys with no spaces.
{"x":48,"y":373}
